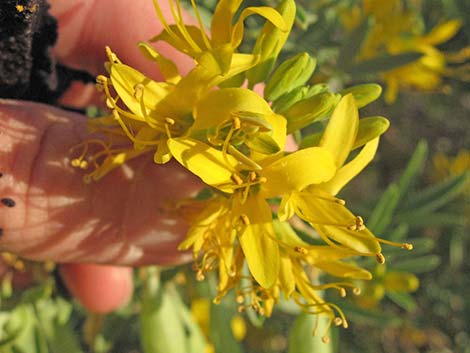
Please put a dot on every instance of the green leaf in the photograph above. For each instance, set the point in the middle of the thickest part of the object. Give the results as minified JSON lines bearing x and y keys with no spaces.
{"x":438,"y":219}
{"x":220,"y":330}
{"x":383,"y":63}
{"x":161,"y":327}
{"x":413,"y":168}
{"x":363,"y":94}
{"x":402,"y":299}
{"x":382,"y":215}
{"x":301,"y":339}
{"x":372,"y":317}
{"x":433,"y":197}
{"x":419,"y":264}
{"x":352,"y":44}
{"x":399,"y":232}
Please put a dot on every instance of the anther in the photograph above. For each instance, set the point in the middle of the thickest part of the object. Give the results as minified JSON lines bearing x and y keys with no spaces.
{"x":240,"y":299}
{"x":262,"y":180}
{"x":244,"y":218}
{"x":252,"y":176}
{"x":199,"y":276}
{"x":170,"y":121}
{"x":380,"y":258}
{"x":138,"y":91}
{"x":407,"y":246}
{"x":342,"y":292}
{"x":216,"y":300}
{"x":356,"y":291}
{"x":241,"y":309}
{"x":337,"y":321}
{"x":236,"y":123}
{"x":83,"y":164}
{"x":340,"y":201}
{"x":301,"y":250}
{"x":75,"y":162}
{"x":236,"y":179}
{"x":325,"y":339}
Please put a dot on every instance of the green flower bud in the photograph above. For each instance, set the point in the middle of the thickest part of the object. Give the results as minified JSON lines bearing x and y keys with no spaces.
{"x":292,"y":73}
{"x":270,"y":42}
{"x":308,"y":110}
{"x":401,"y":281}
{"x":363,"y":94}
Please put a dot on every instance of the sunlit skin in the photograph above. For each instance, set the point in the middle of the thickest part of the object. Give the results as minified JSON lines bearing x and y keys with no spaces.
{"x":56,"y":216}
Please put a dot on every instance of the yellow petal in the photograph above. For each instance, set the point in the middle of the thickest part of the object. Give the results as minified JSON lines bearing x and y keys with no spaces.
{"x":342,"y":269}
{"x":124,"y":80}
{"x":286,"y":276}
{"x":257,"y":241}
{"x":297,"y":170}
{"x":351,"y":169}
{"x":221,"y":26}
{"x":362,"y":241}
{"x":166,"y":66}
{"x":270,"y":14}
{"x":162,"y":154}
{"x":342,"y":129}
{"x":221,"y":105}
{"x":206,"y":162}
{"x":443,"y":32}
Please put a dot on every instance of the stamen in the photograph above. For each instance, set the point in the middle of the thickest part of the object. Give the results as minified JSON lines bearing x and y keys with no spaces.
{"x":236,"y":123}
{"x":201,"y":26}
{"x":406,"y":246}
{"x":243,"y":159}
{"x":380,"y":258}
{"x":236,"y":179}
{"x":357,"y":291}
{"x":111,"y":56}
{"x":244,"y":218}
{"x":301,"y":250}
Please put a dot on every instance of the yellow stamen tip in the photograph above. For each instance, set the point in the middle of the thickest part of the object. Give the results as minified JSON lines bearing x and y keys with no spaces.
{"x":356,"y":291}
{"x":325,"y":339}
{"x":301,"y":250}
{"x":337,"y":321}
{"x":244,"y":218}
{"x":169,"y":121}
{"x":408,"y":246}
{"x":75,"y":162}
{"x":380,"y":258}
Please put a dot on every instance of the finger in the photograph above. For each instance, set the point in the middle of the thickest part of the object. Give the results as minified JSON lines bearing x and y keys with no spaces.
{"x":87,"y":26}
{"x":122,"y":219}
{"x":99,"y":288}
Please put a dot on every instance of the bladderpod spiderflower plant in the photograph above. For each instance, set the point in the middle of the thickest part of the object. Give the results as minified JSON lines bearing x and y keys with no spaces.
{"x":234,"y":140}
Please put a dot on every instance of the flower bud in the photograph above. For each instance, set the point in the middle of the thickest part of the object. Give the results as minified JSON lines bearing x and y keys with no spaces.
{"x":292,"y":73}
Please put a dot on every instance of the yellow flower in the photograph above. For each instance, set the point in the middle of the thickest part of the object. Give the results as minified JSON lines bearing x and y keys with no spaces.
{"x":238,"y":224}
{"x":396,"y":30}
{"x":148,"y":112}
{"x":218,"y":50}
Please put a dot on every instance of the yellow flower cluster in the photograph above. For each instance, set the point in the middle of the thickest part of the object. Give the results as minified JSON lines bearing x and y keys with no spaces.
{"x":234,"y":140}
{"x":395,"y":29}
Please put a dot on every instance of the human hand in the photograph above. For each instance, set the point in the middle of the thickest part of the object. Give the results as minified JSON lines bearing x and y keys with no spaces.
{"x":119,"y":220}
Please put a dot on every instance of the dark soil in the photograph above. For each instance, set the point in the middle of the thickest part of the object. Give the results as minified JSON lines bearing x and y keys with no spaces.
{"x":27,"y":69}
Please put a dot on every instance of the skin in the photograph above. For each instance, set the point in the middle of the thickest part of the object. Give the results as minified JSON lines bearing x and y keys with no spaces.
{"x":124,"y":218}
